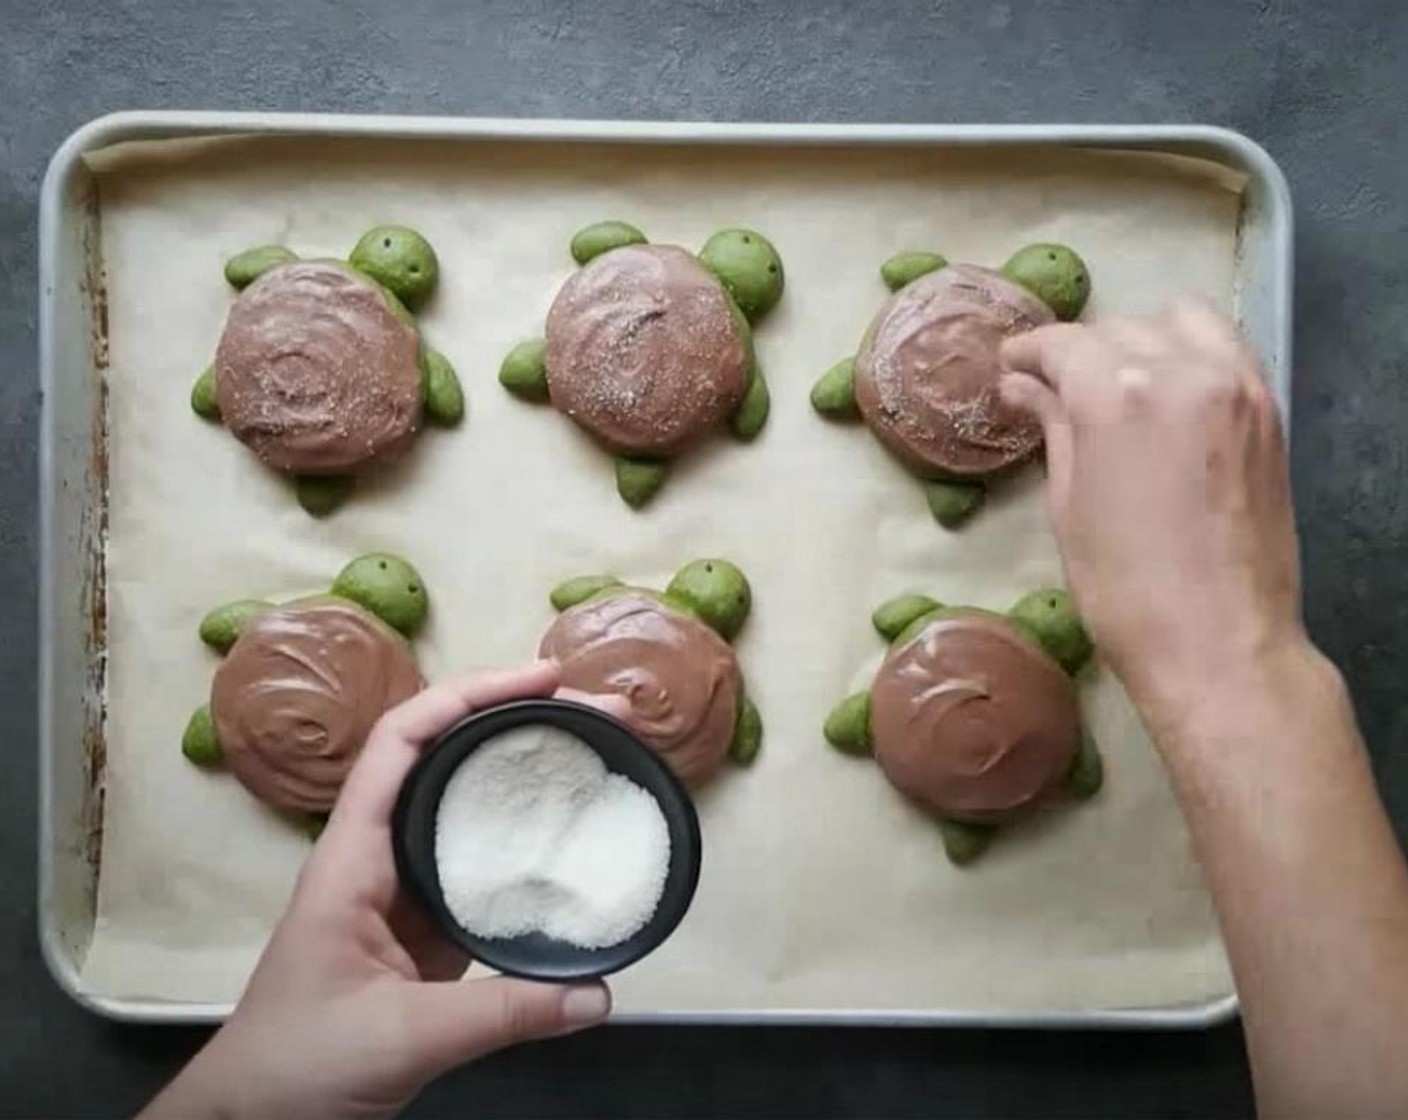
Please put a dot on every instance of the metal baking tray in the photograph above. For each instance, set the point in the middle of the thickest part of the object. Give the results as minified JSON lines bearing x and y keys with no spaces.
{"x":73,"y":462}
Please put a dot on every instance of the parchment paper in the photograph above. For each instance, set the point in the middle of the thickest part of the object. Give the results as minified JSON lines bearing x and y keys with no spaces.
{"x":821,"y":887}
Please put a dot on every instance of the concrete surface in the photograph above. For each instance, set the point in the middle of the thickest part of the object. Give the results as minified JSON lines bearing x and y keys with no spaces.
{"x":1321,"y":85}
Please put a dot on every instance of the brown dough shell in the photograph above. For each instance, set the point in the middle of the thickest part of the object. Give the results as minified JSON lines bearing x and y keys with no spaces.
{"x":927,"y":371}
{"x":972,"y":719}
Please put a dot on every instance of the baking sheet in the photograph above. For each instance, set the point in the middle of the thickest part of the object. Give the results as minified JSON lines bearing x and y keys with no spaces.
{"x":821,"y":889}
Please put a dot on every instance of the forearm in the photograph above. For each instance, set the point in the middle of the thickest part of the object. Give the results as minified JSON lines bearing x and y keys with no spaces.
{"x":1306,"y":874}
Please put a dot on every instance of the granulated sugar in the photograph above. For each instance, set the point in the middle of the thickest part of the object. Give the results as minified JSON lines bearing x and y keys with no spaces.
{"x":533,"y":834}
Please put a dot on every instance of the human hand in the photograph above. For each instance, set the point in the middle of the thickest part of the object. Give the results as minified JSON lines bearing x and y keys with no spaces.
{"x":356,"y":1002}
{"x":1168,"y":492}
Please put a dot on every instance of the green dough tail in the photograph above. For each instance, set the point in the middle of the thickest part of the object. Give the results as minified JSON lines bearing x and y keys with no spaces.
{"x":639,"y":480}
{"x":602,"y":237}
{"x":313,"y":825}
{"x":320,"y":494}
{"x":524,"y":371}
{"x":752,"y":412}
{"x":440,"y":387}
{"x":892,"y":616}
{"x":953,"y":503}
{"x":1088,"y":771}
{"x":903,"y":268}
{"x":203,"y":402}
{"x":747,"y":734}
{"x":847,"y":728}
{"x":198,"y":741}
{"x":963,"y":843}
{"x":834,"y":394}
{"x":1049,"y":616}
{"x":579,"y":589}
{"x":245,"y":268}
{"x":220,"y":628}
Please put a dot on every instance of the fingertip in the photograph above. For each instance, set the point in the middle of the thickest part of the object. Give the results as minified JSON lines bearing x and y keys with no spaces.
{"x":585,"y":1005}
{"x":612,"y":703}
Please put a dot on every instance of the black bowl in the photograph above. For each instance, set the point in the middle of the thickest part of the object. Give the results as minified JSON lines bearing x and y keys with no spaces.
{"x":535,"y":955}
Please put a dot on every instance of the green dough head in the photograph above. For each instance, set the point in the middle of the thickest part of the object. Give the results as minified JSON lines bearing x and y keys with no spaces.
{"x":847,"y":728}
{"x":747,"y":734}
{"x":1088,"y":771}
{"x":320,"y":494}
{"x":963,"y":843}
{"x":953,"y":503}
{"x":399,"y":258}
{"x":601,"y":237}
{"x":1053,"y":273}
{"x":221,"y":627}
{"x":747,"y":266}
{"x":834,"y":395}
{"x":892,"y":616}
{"x":579,"y":589}
{"x":1049,"y":617}
{"x":203,"y":395}
{"x":639,"y":480}
{"x":717,"y":591}
{"x":387,"y":586}
{"x":198,"y":741}
{"x":444,"y":399}
{"x":900,"y":269}
{"x":524,"y":371}
{"x":752,"y":412}
{"x":245,"y":268}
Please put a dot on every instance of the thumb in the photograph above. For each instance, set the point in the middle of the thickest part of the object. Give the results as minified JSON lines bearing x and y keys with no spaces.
{"x":453,"y":1022}
{"x":1021,"y":390}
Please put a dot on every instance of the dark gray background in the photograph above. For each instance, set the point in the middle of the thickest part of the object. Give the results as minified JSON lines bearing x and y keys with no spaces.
{"x":1322,"y":86}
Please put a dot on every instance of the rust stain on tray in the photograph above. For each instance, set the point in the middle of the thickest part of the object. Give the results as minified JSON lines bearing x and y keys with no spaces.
{"x":95,"y":535}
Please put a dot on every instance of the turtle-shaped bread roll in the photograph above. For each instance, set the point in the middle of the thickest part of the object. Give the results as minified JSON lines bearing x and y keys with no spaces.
{"x":302,"y":684}
{"x":973,"y":714}
{"x":321,"y":370}
{"x":925,"y":377}
{"x":649,"y":347}
{"x":669,"y":656}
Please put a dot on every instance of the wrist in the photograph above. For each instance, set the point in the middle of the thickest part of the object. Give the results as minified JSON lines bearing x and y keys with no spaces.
{"x":1234,"y":692}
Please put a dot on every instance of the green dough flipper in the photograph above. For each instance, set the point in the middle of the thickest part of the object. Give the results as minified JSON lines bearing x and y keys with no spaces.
{"x":903,"y":268}
{"x":203,"y":402}
{"x":1088,"y":771}
{"x":601,"y":237}
{"x":752,"y":412}
{"x":199,"y":742}
{"x":245,"y":268}
{"x":440,"y":388}
{"x":892,"y":616}
{"x":221,"y":627}
{"x":524,"y":371}
{"x":579,"y":589}
{"x":834,"y":394}
{"x":847,"y":728}
{"x":747,"y":734}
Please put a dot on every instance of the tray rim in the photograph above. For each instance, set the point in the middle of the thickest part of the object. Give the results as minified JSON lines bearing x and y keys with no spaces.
{"x":1232,"y":146}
